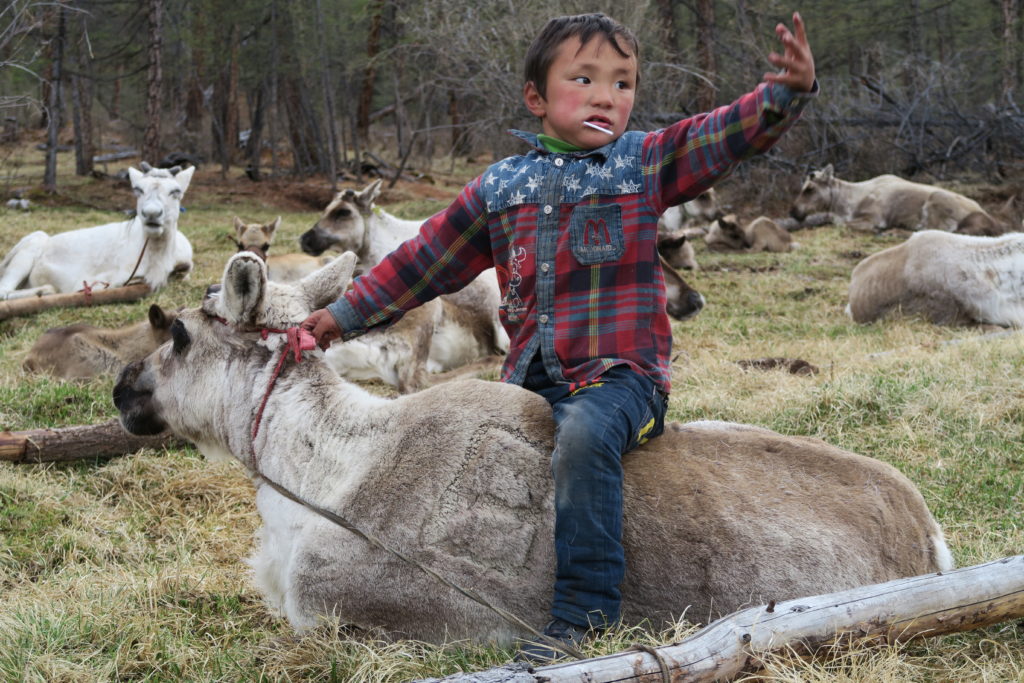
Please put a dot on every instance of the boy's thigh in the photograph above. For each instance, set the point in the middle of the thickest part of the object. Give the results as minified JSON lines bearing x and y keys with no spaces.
{"x":624,"y":408}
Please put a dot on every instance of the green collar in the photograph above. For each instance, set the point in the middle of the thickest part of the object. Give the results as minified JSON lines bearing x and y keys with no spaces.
{"x":555,"y":145}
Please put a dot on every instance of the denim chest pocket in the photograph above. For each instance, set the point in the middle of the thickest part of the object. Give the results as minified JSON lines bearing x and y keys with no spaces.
{"x":595,"y":233}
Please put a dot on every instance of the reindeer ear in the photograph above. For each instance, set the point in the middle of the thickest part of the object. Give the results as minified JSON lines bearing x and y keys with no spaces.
{"x":239,"y":226}
{"x":369,"y":194}
{"x":325,"y":285}
{"x":244,"y":286}
{"x":271,"y":227}
{"x":185,"y":177}
{"x":827,"y":172}
{"x":135,"y":175}
{"x":157,"y":317}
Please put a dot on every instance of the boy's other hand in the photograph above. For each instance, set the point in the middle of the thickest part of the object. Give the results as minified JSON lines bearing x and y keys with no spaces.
{"x":323,"y":326}
{"x":797,"y":64}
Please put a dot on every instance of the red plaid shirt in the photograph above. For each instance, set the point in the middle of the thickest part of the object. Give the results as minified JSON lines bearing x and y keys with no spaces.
{"x":573,"y":238}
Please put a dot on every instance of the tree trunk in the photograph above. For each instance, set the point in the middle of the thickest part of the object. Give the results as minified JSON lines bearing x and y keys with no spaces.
{"x":82,"y":92}
{"x":328,"y":92}
{"x":254,"y":144}
{"x":56,"y":102}
{"x":303,"y":130}
{"x":115,"y":97}
{"x":34,"y":304}
{"x":1009,"y":65}
{"x":897,"y":611}
{"x":154,"y":101}
{"x":669,"y":31}
{"x":706,"y":96}
{"x":370,"y":74}
{"x":76,"y":443}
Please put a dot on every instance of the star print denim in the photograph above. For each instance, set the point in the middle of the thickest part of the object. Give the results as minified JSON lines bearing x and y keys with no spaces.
{"x":595,"y":426}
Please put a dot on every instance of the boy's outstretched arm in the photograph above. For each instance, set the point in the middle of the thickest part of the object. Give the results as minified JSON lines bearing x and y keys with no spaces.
{"x":797,"y":64}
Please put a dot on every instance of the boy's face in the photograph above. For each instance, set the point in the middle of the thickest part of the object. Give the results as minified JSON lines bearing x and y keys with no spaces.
{"x":594,"y":84}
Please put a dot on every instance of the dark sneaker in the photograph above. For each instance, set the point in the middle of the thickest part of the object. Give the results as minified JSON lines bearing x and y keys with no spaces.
{"x":540,"y":651}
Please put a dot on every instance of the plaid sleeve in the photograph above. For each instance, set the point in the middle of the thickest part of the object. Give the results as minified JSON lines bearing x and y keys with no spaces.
{"x":451,"y":249}
{"x":688,"y":157}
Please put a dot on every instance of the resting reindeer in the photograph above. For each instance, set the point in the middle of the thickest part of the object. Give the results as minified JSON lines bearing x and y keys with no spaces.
{"x":880,"y":203}
{"x":83,"y":351}
{"x":257,"y":237}
{"x":760,"y":234}
{"x":948,"y":278}
{"x":450,"y":332}
{"x":680,"y":224}
{"x":148,"y":247}
{"x":1007,"y":218}
{"x":717,"y":515}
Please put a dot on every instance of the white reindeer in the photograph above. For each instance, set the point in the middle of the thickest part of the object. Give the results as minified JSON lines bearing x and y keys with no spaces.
{"x":456,"y":477}
{"x":148,"y":247}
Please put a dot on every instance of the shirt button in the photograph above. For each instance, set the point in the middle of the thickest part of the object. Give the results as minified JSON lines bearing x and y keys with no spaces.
{"x":544,"y":319}
{"x":559,"y":161}
{"x":548,"y":209}
{"x":545,"y":267}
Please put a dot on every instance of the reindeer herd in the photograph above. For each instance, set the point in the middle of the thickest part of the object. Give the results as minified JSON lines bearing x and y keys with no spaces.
{"x":455,"y":472}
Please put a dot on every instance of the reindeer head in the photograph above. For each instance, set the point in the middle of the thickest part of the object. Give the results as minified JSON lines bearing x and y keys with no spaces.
{"x":159,"y":193}
{"x":198,"y":379}
{"x":704,"y":207}
{"x":815,"y":195}
{"x":726,"y":231}
{"x":343,"y":225}
{"x":255,"y":237}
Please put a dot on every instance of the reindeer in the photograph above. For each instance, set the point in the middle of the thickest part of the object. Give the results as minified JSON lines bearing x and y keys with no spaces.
{"x":760,"y":234}
{"x":257,"y":237}
{"x":147,"y":247}
{"x":353,"y":222}
{"x":83,"y":351}
{"x":681,"y":224}
{"x":456,"y":477}
{"x":881,"y":203}
{"x":948,"y":278}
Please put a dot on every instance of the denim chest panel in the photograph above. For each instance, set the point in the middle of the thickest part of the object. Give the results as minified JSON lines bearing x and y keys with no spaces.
{"x":591,"y":184}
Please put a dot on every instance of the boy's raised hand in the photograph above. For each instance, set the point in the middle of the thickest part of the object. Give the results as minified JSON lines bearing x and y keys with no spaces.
{"x":797,"y":64}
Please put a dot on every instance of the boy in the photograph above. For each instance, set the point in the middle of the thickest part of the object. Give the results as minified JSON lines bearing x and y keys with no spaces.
{"x":571,"y":228}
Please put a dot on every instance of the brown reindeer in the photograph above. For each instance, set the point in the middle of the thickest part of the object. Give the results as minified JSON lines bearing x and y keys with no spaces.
{"x":760,"y":234}
{"x":257,"y":238}
{"x":83,"y":351}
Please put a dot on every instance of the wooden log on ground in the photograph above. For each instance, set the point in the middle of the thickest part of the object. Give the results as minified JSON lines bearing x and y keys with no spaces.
{"x":76,"y":443}
{"x":34,"y":304}
{"x":897,"y":611}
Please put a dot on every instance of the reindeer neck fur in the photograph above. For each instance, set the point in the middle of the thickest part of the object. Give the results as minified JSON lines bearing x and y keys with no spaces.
{"x":315,"y":427}
{"x":844,"y":196}
{"x":158,"y":260}
{"x":382,"y":232}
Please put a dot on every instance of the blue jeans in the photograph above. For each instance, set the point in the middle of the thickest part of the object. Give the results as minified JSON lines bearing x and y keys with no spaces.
{"x":594,"y":427}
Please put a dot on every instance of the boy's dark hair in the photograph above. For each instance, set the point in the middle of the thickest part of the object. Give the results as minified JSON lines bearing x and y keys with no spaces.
{"x":544,"y":48}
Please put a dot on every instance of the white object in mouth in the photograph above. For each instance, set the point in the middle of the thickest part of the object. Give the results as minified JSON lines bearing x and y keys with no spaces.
{"x":597,"y":127}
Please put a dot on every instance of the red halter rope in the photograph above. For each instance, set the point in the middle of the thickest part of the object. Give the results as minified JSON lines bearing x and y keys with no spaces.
{"x":298,"y":340}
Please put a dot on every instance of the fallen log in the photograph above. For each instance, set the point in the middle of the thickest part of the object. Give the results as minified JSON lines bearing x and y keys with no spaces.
{"x":897,"y":611}
{"x":76,"y":443}
{"x":34,"y":304}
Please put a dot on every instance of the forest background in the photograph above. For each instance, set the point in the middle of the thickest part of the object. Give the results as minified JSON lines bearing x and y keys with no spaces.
{"x":921,"y":88}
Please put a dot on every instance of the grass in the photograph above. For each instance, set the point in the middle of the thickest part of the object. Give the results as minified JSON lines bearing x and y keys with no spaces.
{"x":133,"y":568}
